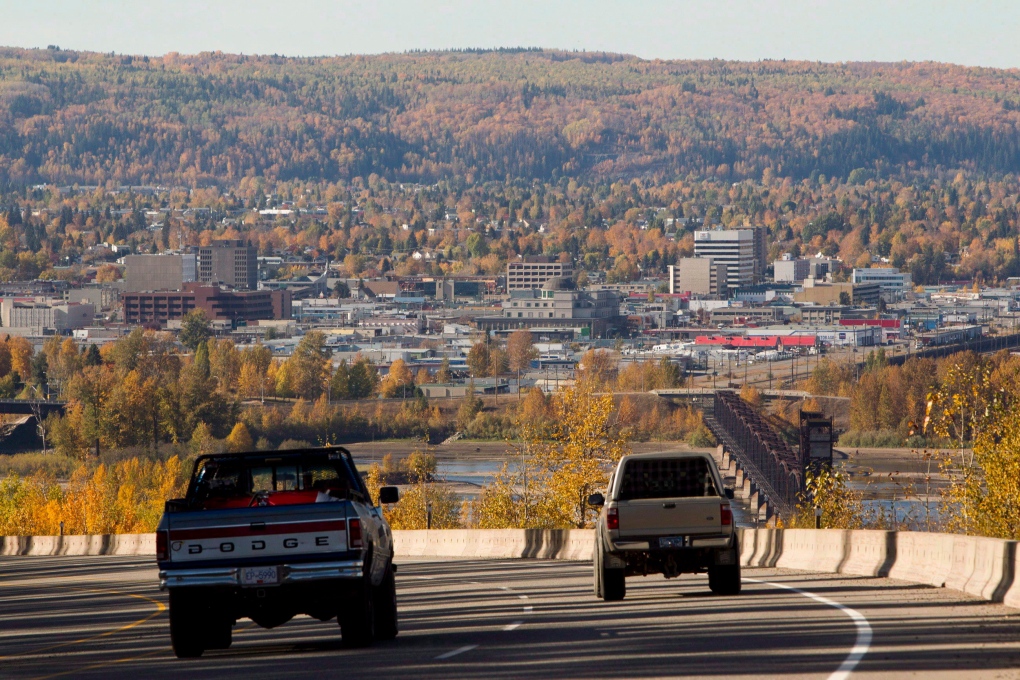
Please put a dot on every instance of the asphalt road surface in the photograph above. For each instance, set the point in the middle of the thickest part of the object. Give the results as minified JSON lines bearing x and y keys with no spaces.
{"x":104,"y":617}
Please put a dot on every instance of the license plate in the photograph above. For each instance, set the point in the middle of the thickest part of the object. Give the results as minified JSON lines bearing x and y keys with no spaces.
{"x":260,"y":576}
{"x":674,"y":542}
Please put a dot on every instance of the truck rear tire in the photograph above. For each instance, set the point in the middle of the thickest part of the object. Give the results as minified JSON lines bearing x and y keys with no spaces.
{"x":357,"y":617}
{"x":220,"y":634}
{"x":186,"y":626}
{"x":724,"y":579}
{"x":613,"y":582}
{"x":385,"y":607}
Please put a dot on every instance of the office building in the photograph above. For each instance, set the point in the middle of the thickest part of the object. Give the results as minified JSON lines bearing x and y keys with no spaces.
{"x":729,"y":316}
{"x":698,"y":275}
{"x":218,"y":304}
{"x":761,"y":251}
{"x":733,"y":247}
{"x":33,"y":317}
{"x":533,"y":271}
{"x":892,"y":283}
{"x":189,"y":267}
{"x":819,"y":268}
{"x":791,"y":271}
{"x":230,"y":262}
{"x":856,"y":294}
{"x":153,"y":272}
{"x":557,"y":305}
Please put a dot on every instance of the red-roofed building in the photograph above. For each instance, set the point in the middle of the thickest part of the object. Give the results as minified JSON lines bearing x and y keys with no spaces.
{"x":761,"y":342}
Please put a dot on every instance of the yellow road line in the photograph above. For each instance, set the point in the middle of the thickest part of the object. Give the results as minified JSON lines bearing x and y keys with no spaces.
{"x":160,"y":608}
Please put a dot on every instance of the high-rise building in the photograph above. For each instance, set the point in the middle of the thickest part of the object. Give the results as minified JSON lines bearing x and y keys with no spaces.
{"x":733,"y":247}
{"x":189,"y":262}
{"x":231,"y":262}
{"x":700,"y":275}
{"x":534,"y":270}
{"x":761,"y":252}
{"x":153,"y":272}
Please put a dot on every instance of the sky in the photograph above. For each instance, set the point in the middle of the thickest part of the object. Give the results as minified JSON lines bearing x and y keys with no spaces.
{"x":974,"y":32}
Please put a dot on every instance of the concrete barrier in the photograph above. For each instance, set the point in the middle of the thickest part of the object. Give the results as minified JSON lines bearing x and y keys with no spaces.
{"x":982,"y":567}
{"x":566,"y":544}
{"x":868,"y":553}
{"x":106,"y":544}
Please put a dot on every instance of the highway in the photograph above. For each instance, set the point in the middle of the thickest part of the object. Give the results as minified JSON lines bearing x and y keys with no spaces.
{"x":104,"y":617}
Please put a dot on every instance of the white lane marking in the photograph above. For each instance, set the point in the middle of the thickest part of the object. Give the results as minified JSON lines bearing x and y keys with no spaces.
{"x":513,"y":626}
{"x":459,"y":650}
{"x":863,"y":642}
{"x":529,"y":609}
{"x":523,"y":597}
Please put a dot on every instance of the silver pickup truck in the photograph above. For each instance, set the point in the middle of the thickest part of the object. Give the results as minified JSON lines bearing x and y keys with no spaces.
{"x":665,"y":513}
{"x":269,"y":535}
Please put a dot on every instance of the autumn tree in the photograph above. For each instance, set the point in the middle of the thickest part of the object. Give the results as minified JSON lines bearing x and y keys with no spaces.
{"x":520,"y":349}
{"x":399,"y":382}
{"x":479,"y":359}
{"x":239,"y":439}
{"x":308,"y":366}
{"x":424,"y":499}
{"x":596,"y":367}
{"x":253,"y":379}
{"x":560,"y":472}
{"x":21,"y":352}
{"x":195,"y":329}
{"x":358,"y":380}
{"x":444,"y":374}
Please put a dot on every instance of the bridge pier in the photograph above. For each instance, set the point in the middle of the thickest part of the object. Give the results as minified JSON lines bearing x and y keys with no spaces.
{"x":756,"y":500}
{"x":724,"y":455}
{"x":742,"y":483}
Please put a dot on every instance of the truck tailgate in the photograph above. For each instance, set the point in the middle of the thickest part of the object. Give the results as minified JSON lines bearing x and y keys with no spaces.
{"x":669,"y":517}
{"x":258,"y":532}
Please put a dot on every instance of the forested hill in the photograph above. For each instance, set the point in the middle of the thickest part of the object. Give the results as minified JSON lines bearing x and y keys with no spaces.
{"x":214,"y":118}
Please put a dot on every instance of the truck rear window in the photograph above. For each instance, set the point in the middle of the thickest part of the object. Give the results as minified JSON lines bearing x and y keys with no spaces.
{"x":235,"y":481}
{"x":666,"y":478}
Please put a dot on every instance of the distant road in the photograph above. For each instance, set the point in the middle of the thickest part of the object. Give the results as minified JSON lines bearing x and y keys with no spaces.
{"x":103,"y":617}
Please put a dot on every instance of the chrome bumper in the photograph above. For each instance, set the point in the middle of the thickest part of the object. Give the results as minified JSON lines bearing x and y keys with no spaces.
{"x":289,"y":573}
{"x":624,"y":544}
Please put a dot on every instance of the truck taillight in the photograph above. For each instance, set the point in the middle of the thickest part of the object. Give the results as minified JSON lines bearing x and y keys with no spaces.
{"x":612,"y":519}
{"x":726,"y":515}
{"x":354,"y":533}
{"x":162,"y":547}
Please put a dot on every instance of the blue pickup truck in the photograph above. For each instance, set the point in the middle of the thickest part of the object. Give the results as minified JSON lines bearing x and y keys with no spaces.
{"x":269,"y":535}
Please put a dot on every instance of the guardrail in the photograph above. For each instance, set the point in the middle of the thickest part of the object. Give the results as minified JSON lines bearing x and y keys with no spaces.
{"x":982,"y":567}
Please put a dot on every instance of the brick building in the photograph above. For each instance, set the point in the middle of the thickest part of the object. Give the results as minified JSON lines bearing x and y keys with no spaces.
{"x":218,"y":304}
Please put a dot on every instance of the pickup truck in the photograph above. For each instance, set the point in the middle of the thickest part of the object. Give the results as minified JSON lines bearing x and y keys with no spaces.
{"x":665,"y":513}
{"x":269,"y":535}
